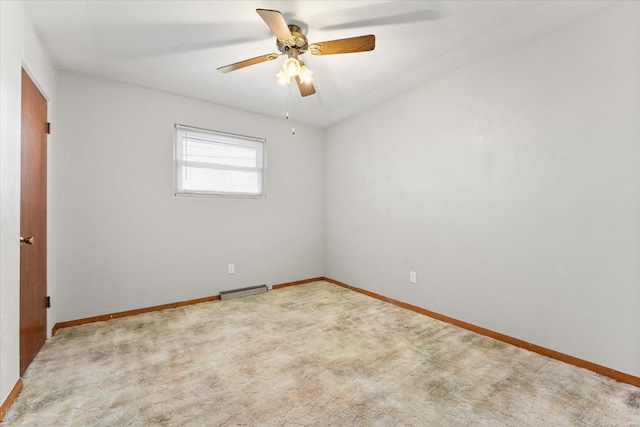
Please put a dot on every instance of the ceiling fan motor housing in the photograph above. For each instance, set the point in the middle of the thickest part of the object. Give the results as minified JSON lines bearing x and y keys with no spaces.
{"x":299,"y":41}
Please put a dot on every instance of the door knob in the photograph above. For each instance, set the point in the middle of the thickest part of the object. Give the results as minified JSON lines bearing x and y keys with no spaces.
{"x":28,"y":240}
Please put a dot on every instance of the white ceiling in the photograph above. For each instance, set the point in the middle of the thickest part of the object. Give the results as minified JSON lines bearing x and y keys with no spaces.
{"x":176,"y":46}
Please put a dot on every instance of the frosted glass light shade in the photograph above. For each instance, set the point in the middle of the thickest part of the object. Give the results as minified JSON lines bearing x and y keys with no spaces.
{"x":283,"y":78}
{"x":305,"y":74}
{"x":291,"y":67}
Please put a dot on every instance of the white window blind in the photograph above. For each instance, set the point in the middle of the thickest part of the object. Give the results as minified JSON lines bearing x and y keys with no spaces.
{"x":219,"y":164}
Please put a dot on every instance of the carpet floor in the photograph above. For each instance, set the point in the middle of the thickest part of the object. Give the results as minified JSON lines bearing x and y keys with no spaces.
{"x":314,"y":354}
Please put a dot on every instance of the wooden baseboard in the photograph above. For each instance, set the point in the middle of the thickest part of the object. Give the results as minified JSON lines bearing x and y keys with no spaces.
{"x":611,"y":373}
{"x":298,"y":282}
{"x":105,"y":317}
{"x":10,"y":398}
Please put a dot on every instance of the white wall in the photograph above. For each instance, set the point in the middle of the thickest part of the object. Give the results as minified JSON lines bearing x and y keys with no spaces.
{"x":19,"y":47}
{"x":511,"y":187}
{"x":125,"y":241}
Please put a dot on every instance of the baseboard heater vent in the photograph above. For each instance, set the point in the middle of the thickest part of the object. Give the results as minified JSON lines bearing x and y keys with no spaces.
{"x":243,"y":292}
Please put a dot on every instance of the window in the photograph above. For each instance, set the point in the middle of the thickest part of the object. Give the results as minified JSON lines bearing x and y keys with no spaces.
{"x":218,"y":164}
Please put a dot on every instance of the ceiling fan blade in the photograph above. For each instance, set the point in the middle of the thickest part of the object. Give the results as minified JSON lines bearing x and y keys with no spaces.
{"x":248,"y":62}
{"x":306,"y":89}
{"x":350,"y":45}
{"x":278,"y":25}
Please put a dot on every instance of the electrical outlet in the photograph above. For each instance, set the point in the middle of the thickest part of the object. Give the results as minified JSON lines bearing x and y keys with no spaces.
{"x":232,"y":268}
{"x":412,"y":277}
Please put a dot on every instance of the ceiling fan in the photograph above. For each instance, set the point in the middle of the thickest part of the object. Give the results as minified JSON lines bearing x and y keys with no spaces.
{"x":291,"y":42}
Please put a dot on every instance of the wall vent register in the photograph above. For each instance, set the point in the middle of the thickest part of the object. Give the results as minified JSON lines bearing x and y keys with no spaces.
{"x":212,"y":163}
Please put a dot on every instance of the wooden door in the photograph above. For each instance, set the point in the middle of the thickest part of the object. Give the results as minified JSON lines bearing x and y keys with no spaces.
{"x":33,"y":223}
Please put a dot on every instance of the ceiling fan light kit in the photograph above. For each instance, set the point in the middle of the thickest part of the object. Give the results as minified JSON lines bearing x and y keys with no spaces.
{"x":293,"y":67}
{"x":291,"y":42}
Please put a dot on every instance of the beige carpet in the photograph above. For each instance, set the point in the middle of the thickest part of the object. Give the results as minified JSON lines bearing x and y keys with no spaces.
{"x":313,"y":354}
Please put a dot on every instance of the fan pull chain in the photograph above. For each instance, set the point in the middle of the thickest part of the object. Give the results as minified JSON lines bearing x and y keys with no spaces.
{"x":289,"y":107}
{"x":286,"y":105}
{"x":293,"y":122}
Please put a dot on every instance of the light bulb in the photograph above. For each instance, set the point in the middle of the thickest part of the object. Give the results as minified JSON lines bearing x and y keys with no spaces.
{"x":291,"y":67}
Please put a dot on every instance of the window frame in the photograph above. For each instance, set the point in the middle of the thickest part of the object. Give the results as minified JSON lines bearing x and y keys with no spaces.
{"x":179,"y":162}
